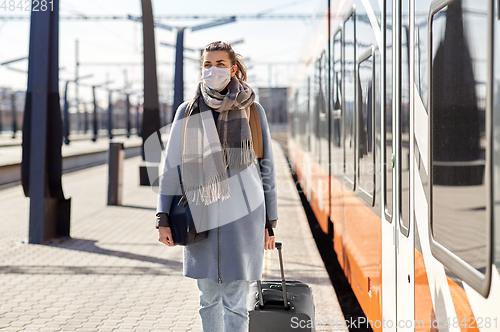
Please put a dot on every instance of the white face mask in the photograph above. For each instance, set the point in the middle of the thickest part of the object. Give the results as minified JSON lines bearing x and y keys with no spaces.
{"x":216,"y":78}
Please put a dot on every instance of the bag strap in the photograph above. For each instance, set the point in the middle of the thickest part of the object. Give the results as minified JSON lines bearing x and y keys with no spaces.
{"x":183,"y":199}
{"x":180,"y":178}
{"x":256,"y":130}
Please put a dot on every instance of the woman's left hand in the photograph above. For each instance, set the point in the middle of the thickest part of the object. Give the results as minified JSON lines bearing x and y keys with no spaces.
{"x":269,"y":241}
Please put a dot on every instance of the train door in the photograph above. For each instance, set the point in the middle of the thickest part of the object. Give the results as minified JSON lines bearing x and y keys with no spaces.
{"x":403,"y":166}
{"x":397,"y":232}
{"x":388,"y":229}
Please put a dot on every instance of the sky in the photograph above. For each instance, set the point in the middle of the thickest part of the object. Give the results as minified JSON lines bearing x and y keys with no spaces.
{"x":272,"y":47}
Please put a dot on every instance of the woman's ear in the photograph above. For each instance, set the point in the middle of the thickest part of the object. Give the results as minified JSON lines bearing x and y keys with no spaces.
{"x":234,"y":70}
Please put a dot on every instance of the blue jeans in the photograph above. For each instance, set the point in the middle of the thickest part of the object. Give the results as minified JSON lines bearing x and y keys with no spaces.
{"x":223,"y":307}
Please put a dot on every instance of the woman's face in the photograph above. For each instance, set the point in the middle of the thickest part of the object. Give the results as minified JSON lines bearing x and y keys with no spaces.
{"x":219,"y":59}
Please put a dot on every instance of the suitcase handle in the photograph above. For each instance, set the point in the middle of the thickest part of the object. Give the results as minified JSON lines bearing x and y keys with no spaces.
{"x":283,"y":283}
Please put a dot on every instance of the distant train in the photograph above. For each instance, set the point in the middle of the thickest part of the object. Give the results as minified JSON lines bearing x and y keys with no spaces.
{"x":394,"y":134}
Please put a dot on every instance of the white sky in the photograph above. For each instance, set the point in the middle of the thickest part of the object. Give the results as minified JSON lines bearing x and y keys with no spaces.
{"x":121,"y":41}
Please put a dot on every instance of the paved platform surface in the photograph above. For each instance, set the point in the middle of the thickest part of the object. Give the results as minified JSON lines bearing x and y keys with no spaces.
{"x":114,"y":275}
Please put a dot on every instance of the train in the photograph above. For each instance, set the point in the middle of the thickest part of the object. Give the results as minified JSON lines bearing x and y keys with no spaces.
{"x":394,"y":136}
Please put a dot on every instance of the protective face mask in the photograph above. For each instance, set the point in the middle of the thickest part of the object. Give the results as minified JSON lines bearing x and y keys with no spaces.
{"x":216,"y":78}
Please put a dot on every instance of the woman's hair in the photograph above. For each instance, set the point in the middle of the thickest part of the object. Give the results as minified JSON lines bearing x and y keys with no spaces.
{"x":235,"y":58}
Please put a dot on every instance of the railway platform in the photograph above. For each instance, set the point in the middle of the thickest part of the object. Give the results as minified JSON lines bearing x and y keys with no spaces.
{"x":114,"y":275}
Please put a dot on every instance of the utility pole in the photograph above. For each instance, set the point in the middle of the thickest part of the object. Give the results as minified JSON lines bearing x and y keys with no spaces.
{"x":138,"y":118}
{"x":94,"y":118}
{"x":85,"y":119}
{"x":14,"y":114}
{"x":66,"y":123}
{"x":110,"y":115}
{"x":110,"y":109}
{"x":78,"y":122}
{"x":66,"y":115}
{"x":127,"y":102}
{"x":127,"y":105}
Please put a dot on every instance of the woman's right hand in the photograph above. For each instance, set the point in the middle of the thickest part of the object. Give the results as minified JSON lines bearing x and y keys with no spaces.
{"x":165,"y":236}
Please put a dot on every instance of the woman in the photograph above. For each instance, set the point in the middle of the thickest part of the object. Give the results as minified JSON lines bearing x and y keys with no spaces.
{"x":228,"y":188}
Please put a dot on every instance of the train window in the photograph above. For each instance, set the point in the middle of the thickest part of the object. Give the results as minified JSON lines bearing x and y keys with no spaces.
{"x":293,"y":116}
{"x":336,"y":89}
{"x":366,"y":124}
{"x":307,"y":118}
{"x":317,"y":111}
{"x":349,"y":96}
{"x":336,"y":152}
{"x":404,"y":127}
{"x":460,"y":146}
{"x":421,"y":63}
{"x":323,"y":85}
{"x":388,"y":112}
{"x":324,"y":109}
{"x":304,"y":122}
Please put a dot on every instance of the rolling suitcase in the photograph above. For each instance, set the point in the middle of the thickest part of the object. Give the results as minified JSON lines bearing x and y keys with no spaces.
{"x":276,"y":306}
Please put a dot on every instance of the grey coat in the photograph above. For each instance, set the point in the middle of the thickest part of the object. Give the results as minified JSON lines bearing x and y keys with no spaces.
{"x":235,"y":249}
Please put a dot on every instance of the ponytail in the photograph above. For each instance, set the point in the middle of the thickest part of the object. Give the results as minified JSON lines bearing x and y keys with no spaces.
{"x":241,"y":74}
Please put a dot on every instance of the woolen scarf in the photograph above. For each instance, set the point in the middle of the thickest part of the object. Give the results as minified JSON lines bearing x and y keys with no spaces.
{"x":208,"y":150}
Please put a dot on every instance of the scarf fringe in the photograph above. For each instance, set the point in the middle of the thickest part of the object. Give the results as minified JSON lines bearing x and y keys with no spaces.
{"x":242,"y":153}
{"x":210,"y":192}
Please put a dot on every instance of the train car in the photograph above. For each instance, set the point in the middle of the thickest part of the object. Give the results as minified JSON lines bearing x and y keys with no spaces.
{"x":394,"y":135}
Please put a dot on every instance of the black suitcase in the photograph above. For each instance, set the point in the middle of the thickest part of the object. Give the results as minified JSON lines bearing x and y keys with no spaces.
{"x":269,"y":312}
